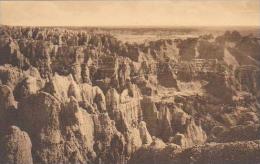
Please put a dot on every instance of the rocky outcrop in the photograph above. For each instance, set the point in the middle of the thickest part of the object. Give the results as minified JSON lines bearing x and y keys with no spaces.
{"x":222,"y":153}
{"x":30,"y":83}
{"x":109,"y":144}
{"x":86,"y":97}
{"x":234,"y":152}
{"x":125,"y":108}
{"x":237,"y":133}
{"x":15,"y":147}
{"x":68,"y":59}
{"x":166,"y":77}
{"x":187,"y":49}
{"x":60,"y":132}
{"x":8,"y":108}
{"x":10,"y":75}
{"x":39,"y":116}
{"x":78,"y":134}
{"x":144,"y":134}
{"x":220,"y":86}
{"x":208,"y":50}
{"x":172,"y":124}
{"x":247,"y":75}
{"x":11,"y":54}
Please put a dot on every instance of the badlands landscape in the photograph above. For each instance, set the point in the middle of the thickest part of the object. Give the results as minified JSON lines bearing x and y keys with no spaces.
{"x":129,"y":95}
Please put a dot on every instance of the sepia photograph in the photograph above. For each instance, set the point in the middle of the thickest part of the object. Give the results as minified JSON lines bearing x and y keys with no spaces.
{"x":130,"y":82}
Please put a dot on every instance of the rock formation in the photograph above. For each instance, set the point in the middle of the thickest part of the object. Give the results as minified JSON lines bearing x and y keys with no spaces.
{"x":72,"y":96}
{"x":15,"y":147}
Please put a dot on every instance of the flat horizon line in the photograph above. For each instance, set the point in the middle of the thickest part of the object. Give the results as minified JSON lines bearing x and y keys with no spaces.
{"x":134,"y":26}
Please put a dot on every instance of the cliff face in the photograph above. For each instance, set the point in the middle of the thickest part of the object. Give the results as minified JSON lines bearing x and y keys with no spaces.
{"x":77,"y":97}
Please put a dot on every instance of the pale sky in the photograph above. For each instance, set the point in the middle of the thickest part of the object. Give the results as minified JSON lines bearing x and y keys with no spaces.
{"x":131,"y":13}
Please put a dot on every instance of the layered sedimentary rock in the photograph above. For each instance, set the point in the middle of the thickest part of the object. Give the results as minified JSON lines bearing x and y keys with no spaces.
{"x":82,"y":97}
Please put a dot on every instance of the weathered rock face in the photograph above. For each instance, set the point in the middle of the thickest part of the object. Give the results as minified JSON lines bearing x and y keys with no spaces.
{"x":125,"y":108}
{"x":236,"y":133}
{"x":78,"y":133}
{"x":144,"y":134}
{"x":11,"y":54}
{"x":132,"y":51}
{"x":39,"y":54}
{"x":39,"y":116}
{"x":68,"y":59}
{"x":30,"y":83}
{"x":220,"y":86}
{"x":208,"y":50}
{"x":55,"y":138}
{"x":187,"y":49}
{"x":109,"y":143}
{"x":234,"y":152}
{"x":166,"y":76}
{"x":10,"y":75}
{"x":8,"y":107}
{"x":248,"y":46}
{"x":15,"y":147}
{"x":81,"y":97}
{"x":172,"y":124}
{"x":245,"y":49}
{"x":247,"y":77}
